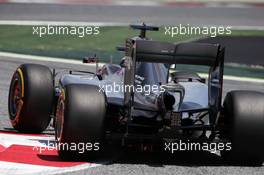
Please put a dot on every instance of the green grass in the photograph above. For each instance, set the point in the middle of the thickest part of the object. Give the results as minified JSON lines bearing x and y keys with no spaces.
{"x":20,"y":39}
{"x":247,"y":33}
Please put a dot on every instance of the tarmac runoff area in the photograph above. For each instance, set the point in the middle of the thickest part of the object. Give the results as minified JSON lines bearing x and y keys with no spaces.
{"x":159,"y":15}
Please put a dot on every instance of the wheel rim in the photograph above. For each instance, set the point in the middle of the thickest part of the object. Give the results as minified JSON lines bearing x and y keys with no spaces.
{"x":15,"y":96}
{"x":59,"y":119}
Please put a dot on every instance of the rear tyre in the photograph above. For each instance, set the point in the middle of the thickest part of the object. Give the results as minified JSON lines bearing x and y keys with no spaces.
{"x":80,"y":119}
{"x":244,"y":120}
{"x":31,"y":98}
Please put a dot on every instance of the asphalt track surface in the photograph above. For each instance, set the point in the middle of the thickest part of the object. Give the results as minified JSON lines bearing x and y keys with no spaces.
{"x":131,"y":14}
{"x":137,"y":163}
{"x":242,"y":50}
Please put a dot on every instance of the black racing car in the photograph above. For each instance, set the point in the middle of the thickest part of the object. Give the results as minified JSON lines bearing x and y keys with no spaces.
{"x":142,"y":100}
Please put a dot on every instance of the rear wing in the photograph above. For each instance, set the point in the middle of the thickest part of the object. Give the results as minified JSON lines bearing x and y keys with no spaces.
{"x":184,"y":53}
{"x":211,"y":55}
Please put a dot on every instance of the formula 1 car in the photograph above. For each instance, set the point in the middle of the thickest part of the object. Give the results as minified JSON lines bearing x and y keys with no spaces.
{"x":142,"y":100}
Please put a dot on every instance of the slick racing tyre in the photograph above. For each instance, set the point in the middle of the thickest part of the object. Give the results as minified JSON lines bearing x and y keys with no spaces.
{"x":80,"y":118}
{"x":30,"y":98}
{"x":244,"y":120}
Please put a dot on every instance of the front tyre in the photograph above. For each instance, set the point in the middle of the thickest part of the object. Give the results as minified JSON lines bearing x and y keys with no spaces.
{"x":30,"y":98}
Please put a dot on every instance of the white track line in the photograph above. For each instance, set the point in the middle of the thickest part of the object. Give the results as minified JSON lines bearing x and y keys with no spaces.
{"x":60,"y":23}
{"x":204,"y":3}
{"x":234,"y":78}
{"x":39,"y":58}
{"x":10,"y":139}
{"x":77,"y":62}
{"x":11,"y":168}
{"x":100,"y":24}
{"x":8,"y":168}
